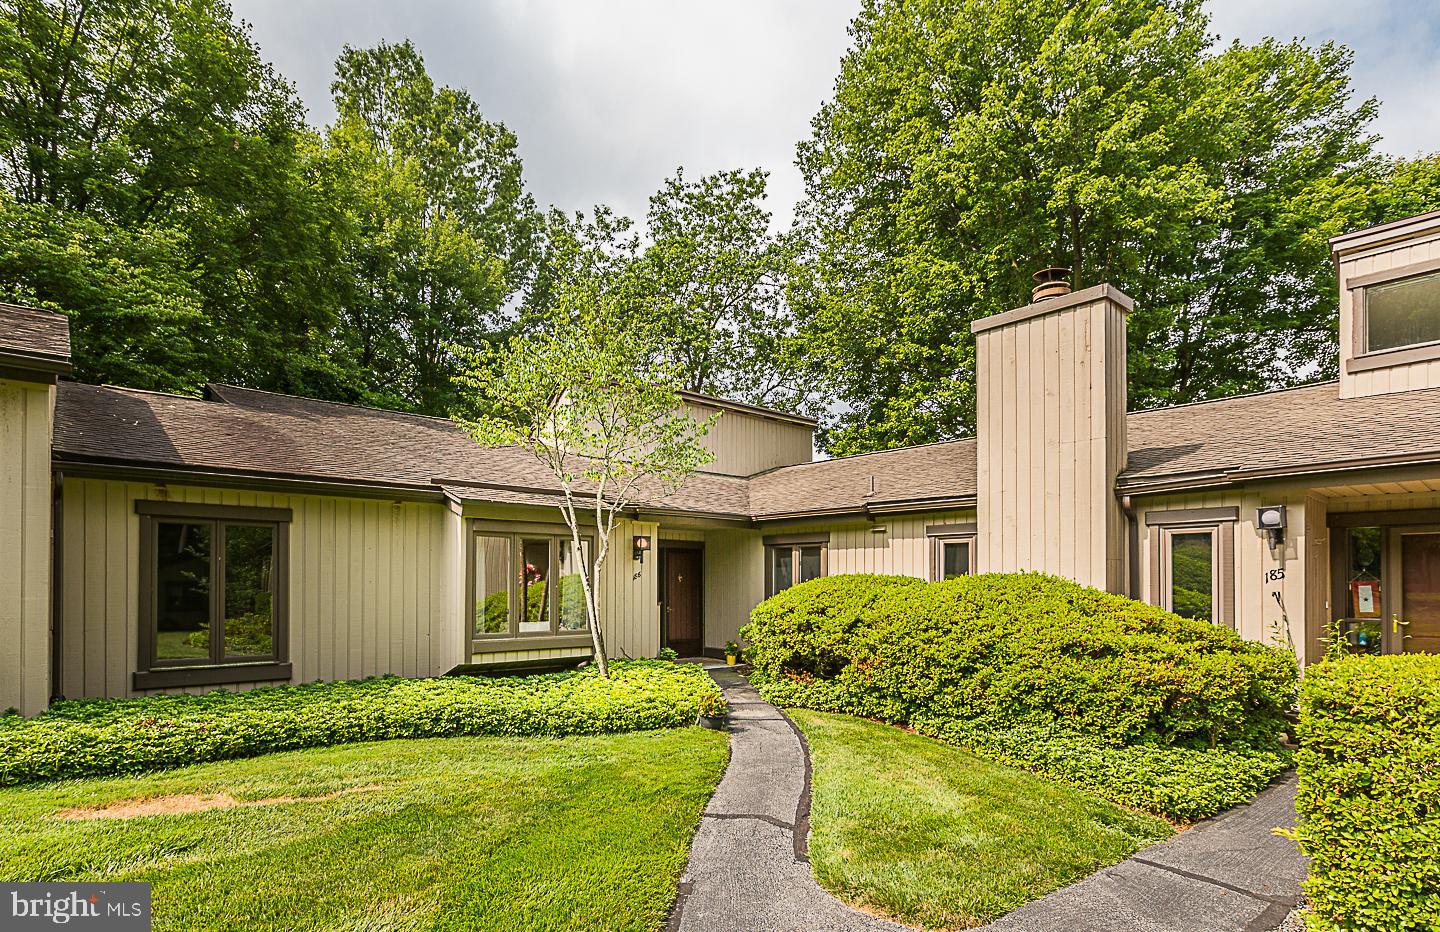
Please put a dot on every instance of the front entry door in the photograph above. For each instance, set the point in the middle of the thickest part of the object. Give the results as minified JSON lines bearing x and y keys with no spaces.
{"x":680,"y":602}
{"x":1414,"y":622}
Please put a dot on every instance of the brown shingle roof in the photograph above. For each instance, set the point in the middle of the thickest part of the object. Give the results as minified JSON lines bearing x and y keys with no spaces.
{"x":1294,"y":429}
{"x":937,"y":471}
{"x":34,"y":339}
{"x":236,"y":430}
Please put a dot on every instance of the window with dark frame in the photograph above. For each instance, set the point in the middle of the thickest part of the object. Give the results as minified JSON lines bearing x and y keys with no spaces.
{"x":952,"y":557}
{"x":527,"y":584}
{"x":790,"y":563}
{"x":212,"y":592}
{"x":1192,"y":562}
{"x":1402,"y":313}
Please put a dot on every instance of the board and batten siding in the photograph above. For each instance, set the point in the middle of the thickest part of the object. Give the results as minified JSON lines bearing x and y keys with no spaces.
{"x":1382,"y":258}
{"x":1259,"y":614}
{"x":25,"y":535}
{"x":744,"y":444}
{"x":1051,"y":437}
{"x":370,"y":592}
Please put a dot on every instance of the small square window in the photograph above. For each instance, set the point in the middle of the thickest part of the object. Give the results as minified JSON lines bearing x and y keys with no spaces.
{"x":1402,"y":313}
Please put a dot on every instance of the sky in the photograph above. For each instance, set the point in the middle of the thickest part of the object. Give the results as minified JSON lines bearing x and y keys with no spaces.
{"x":608,"y":97}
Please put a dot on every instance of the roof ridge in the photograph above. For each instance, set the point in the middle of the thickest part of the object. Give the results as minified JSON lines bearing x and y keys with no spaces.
{"x":1211,"y":401}
{"x":110,"y":386}
{"x":326,"y":401}
{"x":856,"y":456}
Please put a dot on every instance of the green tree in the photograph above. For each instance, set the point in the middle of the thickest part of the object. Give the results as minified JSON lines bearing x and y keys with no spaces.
{"x":715,"y":275}
{"x":591,"y":393}
{"x":971,"y":142}
{"x":440,"y":230}
{"x":145,"y":145}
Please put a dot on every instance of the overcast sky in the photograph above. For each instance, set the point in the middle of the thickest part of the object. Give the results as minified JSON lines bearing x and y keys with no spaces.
{"x":607,"y":97}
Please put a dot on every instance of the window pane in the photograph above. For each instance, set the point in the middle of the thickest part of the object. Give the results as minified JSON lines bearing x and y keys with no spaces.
{"x":1192,"y":574}
{"x":492,"y":585}
{"x":1403,"y":313}
{"x":809,"y":563}
{"x":249,"y":592}
{"x":956,"y":559}
{"x":782,"y":569}
{"x":182,"y":591}
{"x":534,"y":582}
{"x":572,"y":593}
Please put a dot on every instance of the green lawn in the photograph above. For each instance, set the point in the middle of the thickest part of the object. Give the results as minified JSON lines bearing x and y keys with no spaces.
{"x":937,"y":837}
{"x":446,"y":833}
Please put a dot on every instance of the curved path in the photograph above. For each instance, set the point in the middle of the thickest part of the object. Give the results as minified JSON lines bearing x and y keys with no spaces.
{"x":749,"y":871}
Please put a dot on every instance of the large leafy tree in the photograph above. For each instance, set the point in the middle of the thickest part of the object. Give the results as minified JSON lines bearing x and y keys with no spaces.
{"x":440,"y":232}
{"x":157,"y":186}
{"x":970,"y":142}
{"x":715,"y":274}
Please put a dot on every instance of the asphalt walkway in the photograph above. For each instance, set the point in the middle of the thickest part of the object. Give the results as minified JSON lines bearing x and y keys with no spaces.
{"x":749,"y":871}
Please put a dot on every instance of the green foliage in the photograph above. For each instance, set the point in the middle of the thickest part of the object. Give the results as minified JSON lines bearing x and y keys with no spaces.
{"x":713,"y":705}
{"x":1369,"y":766}
{"x":246,"y":634}
{"x":440,"y":229}
{"x":124,"y":736}
{"x":1093,"y":689}
{"x":970,"y":142}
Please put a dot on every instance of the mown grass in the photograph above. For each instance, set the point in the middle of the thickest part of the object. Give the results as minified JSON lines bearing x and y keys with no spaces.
{"x":937,"y":837}
{"x":452,"y":833}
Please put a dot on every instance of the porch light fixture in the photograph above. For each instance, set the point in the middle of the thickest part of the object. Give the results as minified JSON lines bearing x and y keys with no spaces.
{"x":1271,"y":520}
{"x":640,"y":544}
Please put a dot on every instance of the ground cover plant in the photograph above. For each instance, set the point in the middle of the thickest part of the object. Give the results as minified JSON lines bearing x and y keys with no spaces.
{"x":103,"y":737}
{"x":1369,"y":769}
{"x":582,"y":832}
{"x":1167,"y":714}
{"x":935,"y":836}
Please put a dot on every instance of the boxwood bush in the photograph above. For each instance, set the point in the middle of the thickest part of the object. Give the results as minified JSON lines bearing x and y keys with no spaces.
{"x":1369,"y":793}
{"x":122,"y":736}
{"x":1090,"y":688}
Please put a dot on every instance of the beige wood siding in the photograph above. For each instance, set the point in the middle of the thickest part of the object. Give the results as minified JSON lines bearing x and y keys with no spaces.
{"x":1395,"y":378}
{"x":1259,"y":614}
{"x":734,"y":583}
{"x":369,"y":592}
{"x":1050,"y":442}
{"x":744,"y":443}
{"x":25,"y":545}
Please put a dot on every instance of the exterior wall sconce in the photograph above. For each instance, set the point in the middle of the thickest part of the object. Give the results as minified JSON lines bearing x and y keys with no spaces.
{"x":640,"y":544}
{"x":1271,"y":520}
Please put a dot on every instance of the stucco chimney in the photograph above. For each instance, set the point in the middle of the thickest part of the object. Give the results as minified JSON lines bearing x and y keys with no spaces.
{"x":1050,"y":420}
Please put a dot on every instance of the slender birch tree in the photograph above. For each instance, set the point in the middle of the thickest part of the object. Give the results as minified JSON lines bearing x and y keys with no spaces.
{"x":590,"y":395}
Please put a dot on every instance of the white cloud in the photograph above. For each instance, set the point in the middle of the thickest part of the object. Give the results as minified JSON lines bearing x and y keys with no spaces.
{"x":607,"y":98}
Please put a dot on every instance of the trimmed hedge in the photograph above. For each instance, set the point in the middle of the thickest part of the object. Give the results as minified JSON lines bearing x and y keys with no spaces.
{"x":1369,"y":794}
{"x":1149,"y":709}
{"x":88,"y":738}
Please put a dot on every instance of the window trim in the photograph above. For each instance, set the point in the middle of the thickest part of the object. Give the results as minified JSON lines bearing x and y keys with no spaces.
{"x":795,"y":542}
{"x":937,"y":553}
{"x":154,"y":673}
{"x":1220,"y":524}
{"x":514,"y":639}
{"x":1362,"y":358}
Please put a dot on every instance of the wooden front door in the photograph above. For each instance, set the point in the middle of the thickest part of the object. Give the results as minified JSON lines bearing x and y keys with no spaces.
{"x":680,"y":620}
{"x":1415,"y":622}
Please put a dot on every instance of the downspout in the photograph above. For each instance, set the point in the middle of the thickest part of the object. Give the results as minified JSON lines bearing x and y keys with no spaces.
{"x":1132,"y":542}
{"x":57,"y":587}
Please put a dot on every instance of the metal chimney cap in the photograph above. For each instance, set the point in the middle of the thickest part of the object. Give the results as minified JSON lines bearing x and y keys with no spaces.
{"x":1050,"y":282}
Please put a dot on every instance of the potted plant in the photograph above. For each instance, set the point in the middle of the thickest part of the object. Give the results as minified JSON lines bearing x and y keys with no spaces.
{"x":713,"y":709}
{"x":732,"y":653}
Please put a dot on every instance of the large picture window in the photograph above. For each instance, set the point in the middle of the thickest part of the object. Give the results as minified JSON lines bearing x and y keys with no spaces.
{"x":1192,"y":557}
{"x":213,"y":594}
{"x":1402,"y":313}
{"x":792,"y":559}
{"x":526,"y":583}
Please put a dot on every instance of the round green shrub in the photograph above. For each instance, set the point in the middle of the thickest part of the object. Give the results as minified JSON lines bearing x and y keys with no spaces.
{"x":1005,"y":650}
